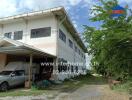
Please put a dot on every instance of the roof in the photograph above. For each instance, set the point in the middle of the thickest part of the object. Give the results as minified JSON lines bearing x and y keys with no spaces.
{"x":60,"y":14}
{"x":19,"y":48}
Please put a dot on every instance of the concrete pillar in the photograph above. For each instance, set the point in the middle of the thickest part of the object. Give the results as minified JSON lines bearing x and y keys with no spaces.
{"x":55,"y":69}
{"x":3,"y":61}
{"x":29,"y":83}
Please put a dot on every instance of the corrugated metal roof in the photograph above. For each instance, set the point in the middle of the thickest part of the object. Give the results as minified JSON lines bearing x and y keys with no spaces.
{"x":20,"y":48}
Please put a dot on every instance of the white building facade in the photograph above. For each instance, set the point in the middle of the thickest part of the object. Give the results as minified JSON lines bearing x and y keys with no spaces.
{"x":50,"y":31}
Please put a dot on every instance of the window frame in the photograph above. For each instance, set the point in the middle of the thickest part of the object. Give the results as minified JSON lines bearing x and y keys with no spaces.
{"x":40,"y":32}
{"x":75,"y":48}
{"x":18,"y":33}
{"x":9,"y":36}
{"x":62,"y":35}
{"x":70,"y":44}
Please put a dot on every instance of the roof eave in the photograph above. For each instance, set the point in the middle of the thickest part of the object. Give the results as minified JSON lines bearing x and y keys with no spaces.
{"x":74,"y":32}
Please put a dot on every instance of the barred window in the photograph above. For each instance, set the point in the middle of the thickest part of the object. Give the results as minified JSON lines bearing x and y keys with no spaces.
{"x":62,"y":36}
{"x":79,"y":52}
{"x":18,"y":35}
{"x":8,"y":35}
{"x":70,"y":43}
{"x":75,"y":48}
{"x":41,"y":32}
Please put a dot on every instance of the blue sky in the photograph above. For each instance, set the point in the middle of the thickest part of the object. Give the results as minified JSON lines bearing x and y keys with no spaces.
{"x":78,"y":10}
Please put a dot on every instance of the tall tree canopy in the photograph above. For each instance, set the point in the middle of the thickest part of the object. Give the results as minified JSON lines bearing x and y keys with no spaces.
{"x":111,"y":45}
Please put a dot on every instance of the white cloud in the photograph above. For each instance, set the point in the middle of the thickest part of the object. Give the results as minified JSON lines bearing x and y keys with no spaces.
{"x":7,"y":7}
{"x":26,"y":4}
{"x":10,"y":7}
{"x":41,"y":4}
{"x":125,"y":1}
{"x":75,"y":23}
{"x":74,"y":2}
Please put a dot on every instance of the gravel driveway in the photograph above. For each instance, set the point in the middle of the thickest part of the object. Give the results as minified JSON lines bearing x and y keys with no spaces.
{"x":86,"y":92}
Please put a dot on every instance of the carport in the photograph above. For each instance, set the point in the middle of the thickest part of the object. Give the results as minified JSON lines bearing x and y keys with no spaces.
{"x":16,"y":48}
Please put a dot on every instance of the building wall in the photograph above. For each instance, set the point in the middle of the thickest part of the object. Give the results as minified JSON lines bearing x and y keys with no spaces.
{"x":52,"y":44}
{"x":68,"y":53}
{"x":47,"y":44}
{"x":0,"y":29}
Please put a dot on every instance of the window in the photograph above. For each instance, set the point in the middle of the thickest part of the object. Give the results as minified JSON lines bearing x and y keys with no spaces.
{"x":72,"y":69}
{"x":76,"y":69}
{"x":62,"y":36}
{"x":75,"y":48}
{"x":8,"y":35}
{"x":41,"y":32}
{"x":18,"y":35}
{"x":62,"y":68}
{"x":19,"y":72}
{"x":82,"y":55}
{"x":5,"y":72}
{"x":70,"y":43}
{"x":79,"y":51}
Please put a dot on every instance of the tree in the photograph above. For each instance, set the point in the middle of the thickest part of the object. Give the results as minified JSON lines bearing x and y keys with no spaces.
{"x":111,"y":45}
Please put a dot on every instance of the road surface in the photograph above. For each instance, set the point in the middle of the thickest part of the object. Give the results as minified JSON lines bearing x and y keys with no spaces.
{"x":85,"y":92}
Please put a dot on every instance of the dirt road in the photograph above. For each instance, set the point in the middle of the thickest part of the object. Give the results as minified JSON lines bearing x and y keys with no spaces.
{"x":85,"y":92}
{"x":93,"y":92}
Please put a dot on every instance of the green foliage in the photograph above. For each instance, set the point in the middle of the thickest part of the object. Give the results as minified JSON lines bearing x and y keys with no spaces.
{"x":124,"y":87}
{"x":41,"y":85}
{"x":111,"y":45}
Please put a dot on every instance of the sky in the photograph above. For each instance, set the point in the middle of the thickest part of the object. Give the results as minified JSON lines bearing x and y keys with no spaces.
{"x":78,"y":10}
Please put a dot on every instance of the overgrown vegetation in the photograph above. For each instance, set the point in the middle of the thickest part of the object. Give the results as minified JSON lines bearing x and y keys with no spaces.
{"x":111,"y":45}
{"x":124,"y":87}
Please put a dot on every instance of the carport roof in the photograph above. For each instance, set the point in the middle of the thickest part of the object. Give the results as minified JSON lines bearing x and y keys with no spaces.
{"x":19,"y":48}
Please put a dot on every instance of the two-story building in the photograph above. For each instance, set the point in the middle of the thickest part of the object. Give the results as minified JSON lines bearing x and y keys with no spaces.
{"x":46,"y":36}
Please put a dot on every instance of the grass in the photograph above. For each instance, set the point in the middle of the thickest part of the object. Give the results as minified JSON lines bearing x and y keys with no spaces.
{"x":75,"y":83}
{"x":69,"y":85}
{"x":124,"y":87}
{"x":88,"y":79}
{"x":22,"y":93}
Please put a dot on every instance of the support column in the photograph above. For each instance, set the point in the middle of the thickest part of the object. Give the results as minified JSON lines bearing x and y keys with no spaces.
{"x":30,"y":72}
{"x":55,"y":69}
